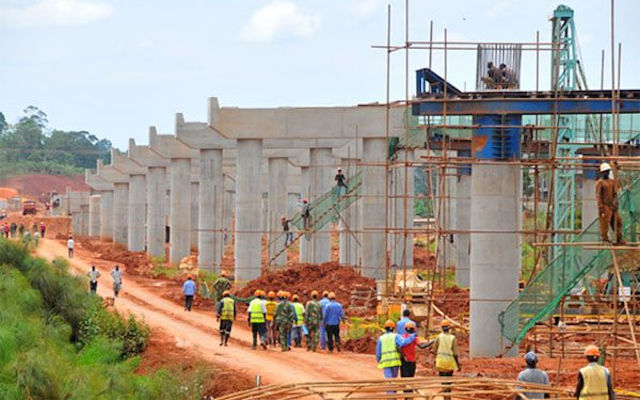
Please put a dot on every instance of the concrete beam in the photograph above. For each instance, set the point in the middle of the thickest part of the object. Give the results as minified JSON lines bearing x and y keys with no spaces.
{"x":95,"y":182}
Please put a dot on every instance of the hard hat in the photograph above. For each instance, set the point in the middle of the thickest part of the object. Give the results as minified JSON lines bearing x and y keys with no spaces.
{"x":314,"y":293}
{"x":332,"y":295}
{"x":226,"y":293}
{"x":325,"y":293}
{"x":410,"y":325}
{"x":279,"y":294}
{"x":531,"y":358}
{"x":389,"y":324}
{"x":591,"y":350}
{"x":605,"y":167}
{"x":295,"y":297}
{"x":257,"y":293}
{"x":286,"y":294}
{"x":304,"y":200}
{"x":189,"y":276}
{"x":271,"y":295}
{"x":445,"y":323}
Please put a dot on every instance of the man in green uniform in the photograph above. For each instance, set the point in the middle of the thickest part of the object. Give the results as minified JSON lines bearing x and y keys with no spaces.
{"x":285,"y":317}
{"x":220,"y":285}
{"x":313,"y":317}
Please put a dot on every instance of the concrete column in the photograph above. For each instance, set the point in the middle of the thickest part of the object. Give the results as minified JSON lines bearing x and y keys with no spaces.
{"x":463,"y":223}
{"x":193,"y":237}
{"x":94,"y":215}
{"x":229,"y":209}
{"x":264,"y":213}
{"x":446,"y":204}
{"x":84,"y":219}
{"x":321,"y":182}
{"x":293,"y":199}
{"x":210,"y":210}
{"x":120,"y":212}
{"x":278,"y":168}
{"x":156,"y":194}
{"x":402,"y":246}
{"x":137,"y":203}
{"x":305,"y":243}
{"x":106,"y":215}
{"x":589,"y":203}
{"x":373,"y":213}
{"x":495,"y":194}
{"x":348,"y":224}
{"x":248,"y":247}
{"x":180,"y":217}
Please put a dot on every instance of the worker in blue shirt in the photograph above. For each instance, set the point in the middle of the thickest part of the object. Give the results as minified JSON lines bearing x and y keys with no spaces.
{"x":332,"y":315}
{"x":189,"y":290}
{"x":323,"y":328}
{"x":387,"y":350}
{"x":405,"y":318}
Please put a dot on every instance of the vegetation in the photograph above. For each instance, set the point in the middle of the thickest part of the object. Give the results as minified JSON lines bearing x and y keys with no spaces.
{"x":57,"y":341}
{"x":31,"y":146}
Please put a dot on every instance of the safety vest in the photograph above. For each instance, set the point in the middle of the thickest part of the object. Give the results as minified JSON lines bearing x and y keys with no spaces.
{"x":271,"y":309}
{"x":227,"y":309}
{"x":595,"y":383}
{"x":255,"y":308}
{"x":389,"y":355}
{"x":444,"y":358}
{"x":299,"y":313}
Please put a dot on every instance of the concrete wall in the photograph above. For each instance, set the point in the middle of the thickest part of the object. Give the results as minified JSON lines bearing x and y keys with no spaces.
{"x":402,"y":215}
{"x":321,"y":181}
{"x":278,"y":175}
{"x":180,"y":210}
{"x":373,"y":215}
{"x":120,"y":213}
{"x":156,"y":201}
{"x":211,"y":192}
{"x":106,"y":215}
{"x":137,"y":216}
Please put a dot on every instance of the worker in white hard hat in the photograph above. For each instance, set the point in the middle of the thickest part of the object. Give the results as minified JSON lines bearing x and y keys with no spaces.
{"x":607,"y":198}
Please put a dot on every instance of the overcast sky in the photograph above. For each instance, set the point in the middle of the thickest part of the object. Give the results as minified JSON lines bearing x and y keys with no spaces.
{"x":115,"y":67}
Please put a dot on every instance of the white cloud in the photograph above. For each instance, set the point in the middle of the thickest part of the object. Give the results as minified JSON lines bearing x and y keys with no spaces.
{"x":366,"y":8}
{"x":279,"y":19}
{"x":46,"y":13}
{"x":498,"y":9}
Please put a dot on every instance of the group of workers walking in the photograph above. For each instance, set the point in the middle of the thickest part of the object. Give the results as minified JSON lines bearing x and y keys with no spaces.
{"x":116,"y":275}
{"x":26,"y":235}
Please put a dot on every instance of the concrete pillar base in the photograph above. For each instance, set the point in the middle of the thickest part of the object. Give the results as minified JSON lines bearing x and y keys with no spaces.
{"x":120,"y":213}
{"x":180,"y":209}
{"x":373,"y":212}
{"x":137,"y":203}
{"x":94,"y":215}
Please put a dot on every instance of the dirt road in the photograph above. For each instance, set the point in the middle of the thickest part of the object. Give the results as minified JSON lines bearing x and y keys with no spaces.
{"x":197,"y":331}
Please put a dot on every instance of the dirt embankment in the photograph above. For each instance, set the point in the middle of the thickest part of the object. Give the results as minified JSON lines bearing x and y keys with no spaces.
{"x":135,"y":263}
{"x":33,"y":185}
{"x":304,"y":278}
{"x":164,"y":353}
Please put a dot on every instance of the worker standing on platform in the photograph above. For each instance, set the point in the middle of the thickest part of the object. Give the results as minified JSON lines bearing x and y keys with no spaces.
{"x":189,"y":291}
{"x":341,"y":182}
{"x":272,"y":328}
{"x":534,"y":375}
{"x":257,"y":317}
{"x":387,"y":353}
{"x":332,"y":315}
{"x":288,"y":235}
{"x":306,"y":214}
{"x":312,"y":319}
{"x":607,"y":198}
{"x":93,"y":275}
{"x":594,"y":380}
{"x":220,"y":285}
{"x":296,"y":329}
{"x":226,"y":314}
{"x":285,"y":318}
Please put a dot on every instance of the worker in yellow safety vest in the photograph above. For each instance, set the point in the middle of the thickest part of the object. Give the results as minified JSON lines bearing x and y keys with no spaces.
{"x":594,"y":381}
{"x":446,"y":348}
{"x":387,"y":350}
{"x":272,"y":328}
{"x":226,"y":314}
{"x":296,"y":329}
{"x":257,"y":319}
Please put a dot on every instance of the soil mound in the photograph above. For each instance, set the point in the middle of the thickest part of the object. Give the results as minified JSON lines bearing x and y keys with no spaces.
{"x":365,"y":345}
{"x":33,"y":185}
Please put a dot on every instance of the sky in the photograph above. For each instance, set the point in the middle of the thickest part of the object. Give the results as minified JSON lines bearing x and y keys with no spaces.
{"x":116,"y":67}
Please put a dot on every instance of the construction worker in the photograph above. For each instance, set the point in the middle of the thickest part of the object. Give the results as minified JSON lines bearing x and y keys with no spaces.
{"x":13,"y":228}
{"x":323,"y":327}
{"x":43,"y":229}
{"x":285,"y":318}
{"x":257,"y":318}
{"x":533,"y":375}
{"x":403,"y":321}
{"x":296,"y":329}
{"x":446,"y":352}
{"x":594,"y":380}
{"x":272,"y":328}
{"x":288,"y":235}
{"x":306,"y":214}
{"x":116,"y":274}
{"x":408,"y":352}
{"x":341,"y":184}
{"x":93,"y":275}
{"x":189,"y":291}
{"x":226,"y":314}
{"x":312,"y":320}
{"x":220,"y":285}
{"x":387,"y":353}
{"x":607,"y":198}
{"x":21,"y":230}
{"x":36,"y":238}
{"x":508,"y":77}
{"x":332,"y":315}
{"x":70,"y":245}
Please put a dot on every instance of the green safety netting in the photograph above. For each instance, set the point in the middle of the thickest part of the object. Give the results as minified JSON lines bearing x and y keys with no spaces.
{"x":574,"y":267}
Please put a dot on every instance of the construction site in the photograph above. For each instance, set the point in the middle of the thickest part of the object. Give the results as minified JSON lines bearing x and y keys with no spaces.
{"x":477,"y":207}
